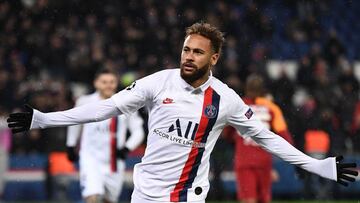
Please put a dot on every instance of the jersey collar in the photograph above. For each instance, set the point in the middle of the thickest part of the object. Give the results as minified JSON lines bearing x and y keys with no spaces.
{"x":201,"y":88}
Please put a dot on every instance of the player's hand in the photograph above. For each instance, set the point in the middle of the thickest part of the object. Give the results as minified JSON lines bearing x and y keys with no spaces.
{"x":20,"y":122}
{"x":72,"y":154}
{"x":344,"y":172}
{"x":122,"y":153}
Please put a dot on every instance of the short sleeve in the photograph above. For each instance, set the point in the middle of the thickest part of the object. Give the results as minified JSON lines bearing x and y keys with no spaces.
{"x":243,"y":118}
{"x":135,"y":96}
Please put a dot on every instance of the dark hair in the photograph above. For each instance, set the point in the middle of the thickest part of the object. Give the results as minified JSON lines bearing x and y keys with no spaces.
{"x":211,"y":32}
{"x":105,"y":71}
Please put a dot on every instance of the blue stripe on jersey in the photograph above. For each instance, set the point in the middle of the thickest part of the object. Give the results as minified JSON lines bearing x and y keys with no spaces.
{"x":188,"y":184}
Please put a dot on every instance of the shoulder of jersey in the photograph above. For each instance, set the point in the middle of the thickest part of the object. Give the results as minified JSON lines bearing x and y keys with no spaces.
{"x":222,"y":88}
{"x":162,"y":76}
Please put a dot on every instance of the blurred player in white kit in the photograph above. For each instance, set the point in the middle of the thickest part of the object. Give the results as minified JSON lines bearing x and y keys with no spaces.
{"x":103,"y":145}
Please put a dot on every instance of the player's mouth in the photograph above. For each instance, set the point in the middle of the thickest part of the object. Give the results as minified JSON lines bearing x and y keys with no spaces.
{"x":189,"y":67}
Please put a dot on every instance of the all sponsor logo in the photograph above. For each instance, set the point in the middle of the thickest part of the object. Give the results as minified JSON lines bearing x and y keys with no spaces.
{"x":187,"y":138}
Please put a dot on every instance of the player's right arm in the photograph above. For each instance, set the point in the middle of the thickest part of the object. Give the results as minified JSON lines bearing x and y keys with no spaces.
{"x":34,"y":119}
{"x":126,"y":101}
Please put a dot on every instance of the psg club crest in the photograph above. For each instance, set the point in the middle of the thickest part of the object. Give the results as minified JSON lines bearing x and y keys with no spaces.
{"x":210,"y":111}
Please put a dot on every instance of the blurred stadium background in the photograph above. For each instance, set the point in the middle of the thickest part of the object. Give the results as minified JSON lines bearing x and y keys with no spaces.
{"x":308,"y":51}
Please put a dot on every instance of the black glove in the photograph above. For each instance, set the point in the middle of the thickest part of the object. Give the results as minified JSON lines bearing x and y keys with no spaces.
{"x":122,"y":153}
{"x":20,"y":122}
{"x":343,"y":171}
{"x":72,"y":154}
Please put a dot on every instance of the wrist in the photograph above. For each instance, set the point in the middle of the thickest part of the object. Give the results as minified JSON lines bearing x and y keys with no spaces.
{"x":37,"y":119}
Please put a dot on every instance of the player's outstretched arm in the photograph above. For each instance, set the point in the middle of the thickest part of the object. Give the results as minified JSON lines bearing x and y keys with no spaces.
{"x":330,"y":168}
{"x":34,"y":119}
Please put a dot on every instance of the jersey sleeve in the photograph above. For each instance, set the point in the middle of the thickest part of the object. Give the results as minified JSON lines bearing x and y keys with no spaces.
{"x":242,"y":117}
{"x":136,"y":95}
{"x":92,"y":112}
{"x":135,"y":126}
{"x":278,"y":146}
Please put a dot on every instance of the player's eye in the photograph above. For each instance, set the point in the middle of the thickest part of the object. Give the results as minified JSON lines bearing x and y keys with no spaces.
{"x":186,"y":49}
{"x":199,"y":52}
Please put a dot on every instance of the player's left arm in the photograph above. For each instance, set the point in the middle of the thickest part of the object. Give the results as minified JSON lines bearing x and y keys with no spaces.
{"x":244,"y":120}
{"x":135,"y":126}
{"x":73,"y":136}
{"x":330,"y":168}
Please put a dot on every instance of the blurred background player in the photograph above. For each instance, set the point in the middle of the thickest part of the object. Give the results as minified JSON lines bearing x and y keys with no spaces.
{"x":103,"y":146}
{"x":5,"y":142}
{"x":253,"y":165}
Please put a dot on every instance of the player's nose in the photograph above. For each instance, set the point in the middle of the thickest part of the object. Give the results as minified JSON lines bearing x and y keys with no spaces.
{"x":189,"y":56}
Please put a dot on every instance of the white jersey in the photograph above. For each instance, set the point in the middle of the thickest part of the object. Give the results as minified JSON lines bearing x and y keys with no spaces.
{"x":99,"y":140}
{"x":184,"y":124}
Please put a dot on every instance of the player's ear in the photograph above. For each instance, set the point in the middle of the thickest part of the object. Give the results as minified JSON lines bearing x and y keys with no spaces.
{"x":214,"y":59}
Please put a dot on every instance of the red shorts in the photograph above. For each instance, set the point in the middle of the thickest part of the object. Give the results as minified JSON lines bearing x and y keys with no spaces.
{"x":254,"y":183}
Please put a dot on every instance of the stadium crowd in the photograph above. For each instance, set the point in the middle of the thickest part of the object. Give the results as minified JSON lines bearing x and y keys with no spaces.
{"x":50,"y":49}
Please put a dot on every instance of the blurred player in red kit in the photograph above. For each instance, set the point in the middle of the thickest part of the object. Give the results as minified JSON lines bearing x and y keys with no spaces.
{"x":253,"y":165}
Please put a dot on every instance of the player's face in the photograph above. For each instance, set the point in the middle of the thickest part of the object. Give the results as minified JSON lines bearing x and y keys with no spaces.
{"x":106,"y":85}
{"x":197,"y":57}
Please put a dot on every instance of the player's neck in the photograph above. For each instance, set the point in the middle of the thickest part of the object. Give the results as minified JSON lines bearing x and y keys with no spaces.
{"x":197,"y":83}
{"x":103,"y":96}
{"x":200,"y":81}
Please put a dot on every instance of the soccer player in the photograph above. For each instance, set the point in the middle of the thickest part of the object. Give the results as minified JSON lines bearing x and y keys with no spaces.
{"x":188,"y":108}
{"x":103,"y":145}
{"x":253,"y":165}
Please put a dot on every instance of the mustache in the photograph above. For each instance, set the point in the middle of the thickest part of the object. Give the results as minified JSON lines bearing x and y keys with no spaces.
{"x":189,"y":64}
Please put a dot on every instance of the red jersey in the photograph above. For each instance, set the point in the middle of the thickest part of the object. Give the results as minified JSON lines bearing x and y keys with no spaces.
{"x":247,"y":152}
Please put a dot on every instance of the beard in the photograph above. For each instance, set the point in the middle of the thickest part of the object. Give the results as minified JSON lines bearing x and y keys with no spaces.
{"x":195,"y":74}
